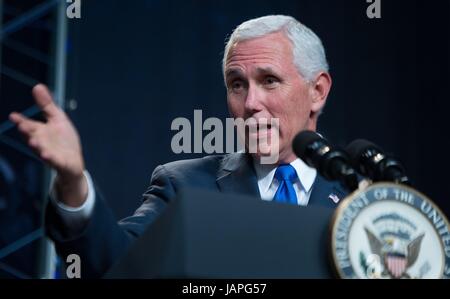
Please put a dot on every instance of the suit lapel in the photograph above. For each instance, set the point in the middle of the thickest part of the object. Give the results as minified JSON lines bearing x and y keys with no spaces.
{"x":325,"y":193}
{"x":237,"y":175}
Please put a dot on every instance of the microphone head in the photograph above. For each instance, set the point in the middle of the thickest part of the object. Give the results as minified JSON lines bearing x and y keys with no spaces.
{"x":302,"y":143}
{"x":360,"y":149}
{"x":330,"y":162}
{"x":371,"y":161}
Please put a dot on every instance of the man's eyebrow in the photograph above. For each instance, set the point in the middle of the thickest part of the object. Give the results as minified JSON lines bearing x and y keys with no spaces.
{"x":266,"y":70}
{"x":233,"y":72}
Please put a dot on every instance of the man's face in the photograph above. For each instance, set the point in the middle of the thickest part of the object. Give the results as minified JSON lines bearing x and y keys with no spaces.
{"x":263,"y":82}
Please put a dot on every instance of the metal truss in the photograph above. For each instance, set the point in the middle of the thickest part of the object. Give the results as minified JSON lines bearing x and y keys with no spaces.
{"x":56,"y":65}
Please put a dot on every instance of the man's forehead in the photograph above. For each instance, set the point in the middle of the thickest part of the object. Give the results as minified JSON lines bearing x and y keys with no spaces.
{"x":267,"y":51}
{"x":277,"y":37}
{"x":267,"y":43}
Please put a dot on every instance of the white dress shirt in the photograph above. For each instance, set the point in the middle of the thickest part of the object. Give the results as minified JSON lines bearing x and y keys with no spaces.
{"x":75,"y":218}
{"x":268,"y":184}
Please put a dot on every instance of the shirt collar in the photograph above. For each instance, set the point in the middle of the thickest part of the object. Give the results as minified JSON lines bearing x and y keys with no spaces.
{"x":266,"y":172}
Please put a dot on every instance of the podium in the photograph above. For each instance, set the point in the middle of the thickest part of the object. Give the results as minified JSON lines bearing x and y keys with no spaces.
{"x":205,"y":234}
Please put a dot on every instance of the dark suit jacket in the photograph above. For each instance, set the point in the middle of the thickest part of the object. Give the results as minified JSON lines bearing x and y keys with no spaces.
{"x":103,"y":240}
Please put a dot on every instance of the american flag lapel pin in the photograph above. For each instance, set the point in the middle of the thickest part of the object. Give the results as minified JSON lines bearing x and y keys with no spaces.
{"x":334,"y":198}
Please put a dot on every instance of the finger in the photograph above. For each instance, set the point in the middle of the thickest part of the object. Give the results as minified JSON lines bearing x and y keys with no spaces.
{"x":28,"y":127}
{"x":34,"y":143}
{"x":24,"y":124}
{"x":18,"y":118}
{"x":45,"y":101}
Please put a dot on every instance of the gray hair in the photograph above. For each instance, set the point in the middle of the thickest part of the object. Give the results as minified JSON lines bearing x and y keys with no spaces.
{"x":308,"y":51}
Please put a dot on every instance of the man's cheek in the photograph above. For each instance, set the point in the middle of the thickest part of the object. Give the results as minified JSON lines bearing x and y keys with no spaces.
{"x":235,"y":110}
{"x":282,"y":127}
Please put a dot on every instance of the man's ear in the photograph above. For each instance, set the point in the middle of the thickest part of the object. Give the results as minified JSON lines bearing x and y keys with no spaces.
{"x":320,"y":89}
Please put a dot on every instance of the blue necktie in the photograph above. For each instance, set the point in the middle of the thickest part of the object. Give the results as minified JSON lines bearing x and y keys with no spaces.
{"x":286,"y":175}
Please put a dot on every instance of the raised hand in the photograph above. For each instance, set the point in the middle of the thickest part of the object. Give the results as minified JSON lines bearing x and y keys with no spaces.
{"x":57,"y":143}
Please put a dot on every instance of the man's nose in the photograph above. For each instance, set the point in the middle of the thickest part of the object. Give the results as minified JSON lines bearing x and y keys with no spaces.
{"x":253,"y":101}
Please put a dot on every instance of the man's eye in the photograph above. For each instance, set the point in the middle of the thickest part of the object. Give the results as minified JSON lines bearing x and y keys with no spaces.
{"x":237,"y":85}
{"x":271,"y":81}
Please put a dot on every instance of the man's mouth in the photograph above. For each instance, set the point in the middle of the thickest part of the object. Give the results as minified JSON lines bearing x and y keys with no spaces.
{"x":260,"y":130}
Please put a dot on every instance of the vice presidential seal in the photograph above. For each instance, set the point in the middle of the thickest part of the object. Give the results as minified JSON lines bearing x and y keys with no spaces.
{"x":390,"y":231}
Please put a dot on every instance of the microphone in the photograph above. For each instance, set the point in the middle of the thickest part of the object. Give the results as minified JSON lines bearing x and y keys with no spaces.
{"x":371,"y":161}
{"x":331,"y":163}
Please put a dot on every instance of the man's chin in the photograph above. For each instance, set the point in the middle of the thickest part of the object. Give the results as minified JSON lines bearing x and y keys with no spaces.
{"x":266,"y":156}
{"x":264,"y":148}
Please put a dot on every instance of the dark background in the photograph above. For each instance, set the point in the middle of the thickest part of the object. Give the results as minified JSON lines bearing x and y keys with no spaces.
{"x":134,"y":66}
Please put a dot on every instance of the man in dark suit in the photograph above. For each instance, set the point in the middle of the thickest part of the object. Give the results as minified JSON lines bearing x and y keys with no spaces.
{"x":274,"y":68}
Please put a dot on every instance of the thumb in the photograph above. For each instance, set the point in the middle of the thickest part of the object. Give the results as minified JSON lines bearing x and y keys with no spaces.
{"x":44,"y":100}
